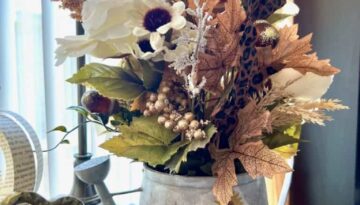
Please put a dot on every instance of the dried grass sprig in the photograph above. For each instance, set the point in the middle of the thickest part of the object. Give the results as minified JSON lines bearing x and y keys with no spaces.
{"x":288,"y":110}
{"x":309,"y":111}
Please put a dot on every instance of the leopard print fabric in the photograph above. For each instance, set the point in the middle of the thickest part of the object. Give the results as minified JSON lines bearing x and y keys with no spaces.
{"x":251,"y":78}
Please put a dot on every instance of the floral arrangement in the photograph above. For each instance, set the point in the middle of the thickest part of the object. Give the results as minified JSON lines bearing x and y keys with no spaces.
{"x":205,"y":88}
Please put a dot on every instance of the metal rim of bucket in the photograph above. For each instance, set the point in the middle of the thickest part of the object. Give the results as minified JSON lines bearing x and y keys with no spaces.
{"x":189,"y":181}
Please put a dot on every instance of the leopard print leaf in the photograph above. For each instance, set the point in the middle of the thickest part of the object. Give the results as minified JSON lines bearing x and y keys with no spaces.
{"x":251,"y":78}
{"x":262,"y":9}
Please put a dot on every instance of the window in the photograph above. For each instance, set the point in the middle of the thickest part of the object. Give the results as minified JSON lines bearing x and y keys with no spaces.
{"x":33,"y":87}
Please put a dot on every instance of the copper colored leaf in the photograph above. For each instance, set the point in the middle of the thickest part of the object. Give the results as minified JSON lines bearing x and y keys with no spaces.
{"x":292,"y":52}
{"x":223,"y":40}
{"x":290,"y":46}
{"x":224,"y":169}
{"x":259,"y":160}
{"x":210,"y":67}
{"x":252,"y":120}
{"x":233,"y":16}
{"x":222,"y":51}
{"x":311,"y":63}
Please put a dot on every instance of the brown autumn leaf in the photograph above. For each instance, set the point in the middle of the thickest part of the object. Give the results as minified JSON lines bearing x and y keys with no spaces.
{"x":290,"y":46}
{"x":259,"y":160}
{"x":222,"y":50}
{"x":224,"y":169}
{"x":252,"y":120}
{"x":311,"y":63}
{"x":294,"y":52}
{"x":210,"y":67}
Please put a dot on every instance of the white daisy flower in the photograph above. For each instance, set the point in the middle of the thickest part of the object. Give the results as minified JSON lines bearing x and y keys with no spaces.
{"x":108,"y":33}
{"x":156,"y":17}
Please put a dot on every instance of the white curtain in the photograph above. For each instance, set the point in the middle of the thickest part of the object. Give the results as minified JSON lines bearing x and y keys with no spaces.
{"x":31,"y":86}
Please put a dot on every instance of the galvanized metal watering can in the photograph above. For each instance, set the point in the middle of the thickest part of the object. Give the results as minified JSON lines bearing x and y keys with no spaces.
{"x":164,"y":189}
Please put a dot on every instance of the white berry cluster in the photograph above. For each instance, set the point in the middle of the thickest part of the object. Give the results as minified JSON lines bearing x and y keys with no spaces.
{"x":171,"y":108}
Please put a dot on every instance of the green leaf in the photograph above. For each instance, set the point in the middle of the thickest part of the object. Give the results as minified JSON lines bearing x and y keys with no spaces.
{"x":142,"y":148}
{"x":175,"y":162}
{"x":144,"y":140}
{"x":65,"y":142}
{"x":60,"y":128}
{"x":132,"y":64}
{"x":81,"y":110}
{"x":110,"y":81}
{"x":283,"y":137}
{"x":150,"y":127}
{"x":290,"y":150}
{"x":294,"y":131}
{"x":152,"y":76}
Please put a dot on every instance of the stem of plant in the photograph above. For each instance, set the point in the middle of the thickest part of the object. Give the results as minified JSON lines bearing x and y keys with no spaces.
{"x":106,"y":127}
{"x":75,"y":128}
{"x":64,"y":137}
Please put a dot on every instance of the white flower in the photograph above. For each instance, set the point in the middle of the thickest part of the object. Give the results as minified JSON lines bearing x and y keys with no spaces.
{"x":106,"y":19}
{"x":156,"y":17}
{"x":110,"y":26}
{"x":309,"y":86}
{"x":75,"y":46}
{"x":106,"y":31}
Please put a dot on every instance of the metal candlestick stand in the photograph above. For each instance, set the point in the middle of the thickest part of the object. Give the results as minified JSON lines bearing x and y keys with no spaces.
{"x":85,"y":192}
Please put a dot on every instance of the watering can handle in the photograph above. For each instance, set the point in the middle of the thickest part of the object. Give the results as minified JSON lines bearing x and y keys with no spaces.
{"x":127,"y":192}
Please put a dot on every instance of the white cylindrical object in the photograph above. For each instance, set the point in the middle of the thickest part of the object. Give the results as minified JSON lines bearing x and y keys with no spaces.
{"x":23,"y":167}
